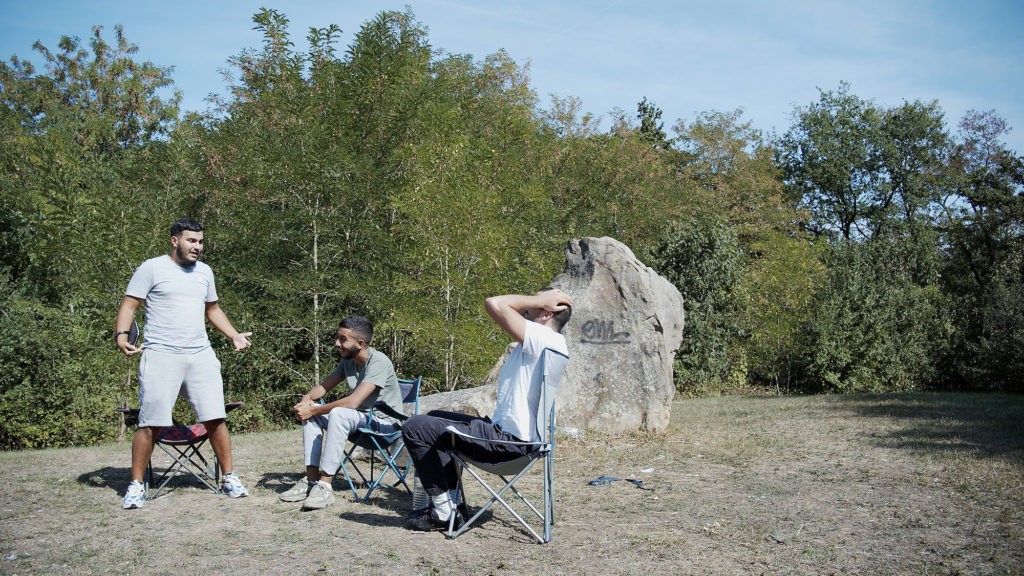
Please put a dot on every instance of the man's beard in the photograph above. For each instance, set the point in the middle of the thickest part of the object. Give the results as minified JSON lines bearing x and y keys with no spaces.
{"x":183,"y":256}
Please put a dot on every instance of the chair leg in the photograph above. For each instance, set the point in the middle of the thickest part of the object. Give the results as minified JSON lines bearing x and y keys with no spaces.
{"x":462,"y":508}
{"x":496,"y":496}
{"x":389,"y":463}
{"x":345,"y":462}
{"x":189,"y":460}
{"x":549,"y":496}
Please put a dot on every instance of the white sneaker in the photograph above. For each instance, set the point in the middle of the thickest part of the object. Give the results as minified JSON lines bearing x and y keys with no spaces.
{"x":320,"y":496}
{"x":298,"y":492}
{"x":232,"y":486}
{"x":135,"y":497}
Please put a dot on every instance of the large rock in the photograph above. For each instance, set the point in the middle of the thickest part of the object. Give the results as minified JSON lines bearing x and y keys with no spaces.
{"x":626,"y":326}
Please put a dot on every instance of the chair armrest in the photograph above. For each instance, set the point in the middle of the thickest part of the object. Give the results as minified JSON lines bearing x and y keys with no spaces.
{"x":383,"y":407}
{"x":471,"y":438}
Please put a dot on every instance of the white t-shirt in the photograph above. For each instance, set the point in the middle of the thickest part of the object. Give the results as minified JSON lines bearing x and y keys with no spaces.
{"x":520,"y":380}
{"x":176,"y":298}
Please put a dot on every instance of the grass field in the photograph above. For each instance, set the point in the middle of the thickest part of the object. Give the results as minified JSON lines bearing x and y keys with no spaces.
{"x":905,"y":484}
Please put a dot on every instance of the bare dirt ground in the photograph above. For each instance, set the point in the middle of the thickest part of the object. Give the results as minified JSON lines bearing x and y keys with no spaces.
{"x":910,"y":484}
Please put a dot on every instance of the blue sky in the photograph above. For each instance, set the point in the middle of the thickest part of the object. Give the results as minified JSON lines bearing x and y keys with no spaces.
{"x":765,"y":57}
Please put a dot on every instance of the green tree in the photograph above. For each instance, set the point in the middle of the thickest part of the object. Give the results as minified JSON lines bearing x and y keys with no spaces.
{"x":613,"y":184}
{"x":873,"y":328}
{"x":827,"y":162}
{"x":982,"y":227}
{"x":702,"y":258}
{"x":474,"y":214}
{"x":865,"y":171}
{"x":731,"y":170}
{"x":388,"y":184}
{"x":651,"y":127}
{"x":278,"y":185}
{"x":73,"y":137}
{"x":873,"y":176}
{"x":79,"y":138}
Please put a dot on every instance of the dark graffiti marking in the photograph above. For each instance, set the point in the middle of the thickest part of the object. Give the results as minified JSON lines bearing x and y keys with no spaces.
{"x":602,"y":332}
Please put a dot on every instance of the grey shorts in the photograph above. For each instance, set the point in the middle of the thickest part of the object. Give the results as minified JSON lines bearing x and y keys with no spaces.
{"x":163,"y":376}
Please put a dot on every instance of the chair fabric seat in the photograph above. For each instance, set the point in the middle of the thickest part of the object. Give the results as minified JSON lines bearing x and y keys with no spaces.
{"x":182,"y":434}
{"x":384,"y":448}
{"x":508,"y":467}
{"x":183,"y":444}
{"x":364,"y":437}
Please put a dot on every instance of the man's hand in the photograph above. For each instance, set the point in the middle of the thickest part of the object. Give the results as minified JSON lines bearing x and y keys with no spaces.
{"x":305,"y":410}
{"x":128,"y":349}
{"x":511,"y":311}
{"x":555,"y":300}
{"x":241,"y":340}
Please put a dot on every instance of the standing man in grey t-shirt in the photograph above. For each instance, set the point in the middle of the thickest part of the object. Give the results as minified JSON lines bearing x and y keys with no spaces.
{"x":179,"y":295}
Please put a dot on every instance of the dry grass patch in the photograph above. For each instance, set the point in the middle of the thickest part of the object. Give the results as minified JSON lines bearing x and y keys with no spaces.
{"x":908,"y":484}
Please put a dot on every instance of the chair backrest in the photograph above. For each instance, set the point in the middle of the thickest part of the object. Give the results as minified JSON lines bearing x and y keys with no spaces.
{"x":410,"y":388}
{"x":553,"y":364}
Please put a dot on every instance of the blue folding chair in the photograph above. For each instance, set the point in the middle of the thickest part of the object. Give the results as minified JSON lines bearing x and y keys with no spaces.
{"x":383,"y":447}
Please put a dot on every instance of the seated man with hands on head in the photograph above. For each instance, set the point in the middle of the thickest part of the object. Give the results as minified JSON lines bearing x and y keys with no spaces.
{"x":535,"y":322}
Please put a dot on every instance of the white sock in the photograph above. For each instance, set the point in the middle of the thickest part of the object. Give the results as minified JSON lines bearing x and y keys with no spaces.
{"x":443,"y":506}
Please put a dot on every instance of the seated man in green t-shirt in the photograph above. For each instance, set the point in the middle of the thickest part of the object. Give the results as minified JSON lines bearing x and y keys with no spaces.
{"x":325,"y":427}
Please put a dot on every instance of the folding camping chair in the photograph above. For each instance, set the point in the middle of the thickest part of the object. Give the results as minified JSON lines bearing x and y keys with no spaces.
{"x":183,"y":443}
{"x":553,"y":364}
{"x":387,"y":447}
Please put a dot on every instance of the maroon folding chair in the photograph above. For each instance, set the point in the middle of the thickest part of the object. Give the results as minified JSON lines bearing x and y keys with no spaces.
{"x":183,"y":443}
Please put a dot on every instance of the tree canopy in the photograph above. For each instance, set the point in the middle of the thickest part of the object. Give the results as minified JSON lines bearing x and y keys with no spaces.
{"x":867,"y":248}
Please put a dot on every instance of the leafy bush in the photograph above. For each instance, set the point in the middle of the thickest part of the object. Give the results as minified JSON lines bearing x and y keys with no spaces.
{"x":873,"y":329}
{"x":702,"y":258}
{"x":54,"y":391}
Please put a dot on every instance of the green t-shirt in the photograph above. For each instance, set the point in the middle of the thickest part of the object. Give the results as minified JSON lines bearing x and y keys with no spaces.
{"x":379,"y":371}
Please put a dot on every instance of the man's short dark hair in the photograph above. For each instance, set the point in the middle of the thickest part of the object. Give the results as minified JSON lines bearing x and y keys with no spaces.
{"x":184,"y":224}
{"x":562,"y":318}
{"x":360,"y":326}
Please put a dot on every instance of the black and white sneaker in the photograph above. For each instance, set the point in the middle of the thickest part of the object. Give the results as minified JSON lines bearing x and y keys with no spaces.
{"x":426,"y":521}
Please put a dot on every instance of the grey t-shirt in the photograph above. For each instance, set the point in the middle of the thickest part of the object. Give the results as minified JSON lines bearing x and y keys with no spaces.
{"x":176,"y":298}
{"x":379,"y":371}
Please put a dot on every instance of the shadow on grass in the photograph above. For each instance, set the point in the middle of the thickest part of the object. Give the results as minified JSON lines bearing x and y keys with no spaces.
{"x":396,"y":502}
{"x":117,"y":478}
{"x":983,"y":424}
{"x":280,"y":482}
